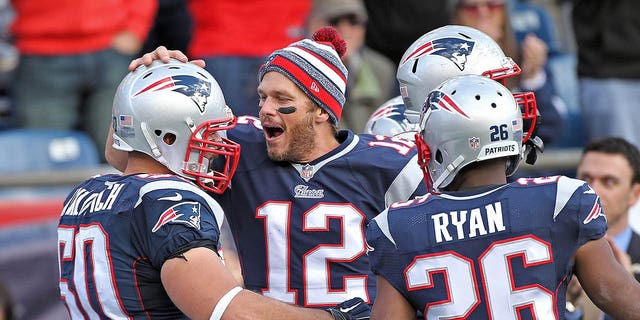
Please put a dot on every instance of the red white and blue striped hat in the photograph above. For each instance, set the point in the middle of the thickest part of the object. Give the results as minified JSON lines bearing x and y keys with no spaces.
{"x":314,"y":65}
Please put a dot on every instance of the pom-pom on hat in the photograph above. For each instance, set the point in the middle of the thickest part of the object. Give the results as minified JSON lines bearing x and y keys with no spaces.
{"x":314,"y":65}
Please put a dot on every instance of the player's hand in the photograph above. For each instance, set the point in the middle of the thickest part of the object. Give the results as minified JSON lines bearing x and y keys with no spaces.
{"x":534,"y":56}
{"x":163,"y":54}
{"x":532,"y":148}
{"x":352,"y":309}
{"x":623,"y":258}
{"x":574,"y":292}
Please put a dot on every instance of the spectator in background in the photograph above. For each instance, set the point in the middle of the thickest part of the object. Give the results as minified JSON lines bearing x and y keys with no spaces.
{"x":234,"y":37}
{"x":607,"y":36}
{"x":371,"y":79}
{"x":611,"y":166}
{"x":172,"y":27}
{"x":491,"y":17}
{"x":73,"y":55}
{"x":393,"y":25}
{"x":528,"y":16}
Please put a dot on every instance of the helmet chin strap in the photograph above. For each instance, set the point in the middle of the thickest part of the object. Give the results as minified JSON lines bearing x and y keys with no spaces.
{"x":154,"y":147}
{"x":450,"y":169}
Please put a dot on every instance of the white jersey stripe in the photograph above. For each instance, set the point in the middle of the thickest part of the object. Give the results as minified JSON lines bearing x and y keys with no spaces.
{"x":566,"y":188}
{"x":405,"y":183}
{"x":383,"y":223}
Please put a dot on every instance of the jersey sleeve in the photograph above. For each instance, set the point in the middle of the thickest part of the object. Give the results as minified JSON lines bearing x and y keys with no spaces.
{"x":178,"y":220}
{"x":591,"y":218}
{"x":395,"y":161}
{"x":381,"y":248}
{"x":584,"y":203}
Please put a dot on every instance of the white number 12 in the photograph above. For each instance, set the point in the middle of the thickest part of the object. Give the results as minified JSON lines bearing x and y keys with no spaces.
{"x":316,"y":262}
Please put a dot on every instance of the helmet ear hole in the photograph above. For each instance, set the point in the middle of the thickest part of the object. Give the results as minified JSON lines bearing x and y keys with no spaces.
{"x":169,"y":138}
{"x":439,"y":157}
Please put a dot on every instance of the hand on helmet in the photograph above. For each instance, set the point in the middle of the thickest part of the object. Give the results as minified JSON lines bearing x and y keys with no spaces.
{"x":163,"y":54}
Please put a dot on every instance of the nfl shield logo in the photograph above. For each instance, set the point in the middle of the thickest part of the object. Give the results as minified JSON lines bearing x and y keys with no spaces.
{"x":307,"y":171}
{"x":474,"y":143}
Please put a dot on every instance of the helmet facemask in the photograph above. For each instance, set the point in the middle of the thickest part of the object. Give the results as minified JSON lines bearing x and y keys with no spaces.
{"x":208,"y":144}
{"x":175,"y":112}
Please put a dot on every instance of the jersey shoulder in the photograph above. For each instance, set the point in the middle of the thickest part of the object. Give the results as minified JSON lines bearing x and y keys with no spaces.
{"x":567,"y":194}
{"x":250,"y":135}
{"x":374,"y":149}
{"x":124,"y":194}
{"x":247,"y":130}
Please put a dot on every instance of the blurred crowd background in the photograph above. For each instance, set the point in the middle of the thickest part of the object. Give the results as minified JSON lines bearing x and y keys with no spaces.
{"x":61,"y":61}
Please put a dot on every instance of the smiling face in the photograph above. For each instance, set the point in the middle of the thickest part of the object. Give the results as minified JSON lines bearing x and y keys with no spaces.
{"x":290,"y":137}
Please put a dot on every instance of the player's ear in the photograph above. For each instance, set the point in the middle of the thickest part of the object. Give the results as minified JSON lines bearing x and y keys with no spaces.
{"x":635,"y":194}
{"x":320,"y":115}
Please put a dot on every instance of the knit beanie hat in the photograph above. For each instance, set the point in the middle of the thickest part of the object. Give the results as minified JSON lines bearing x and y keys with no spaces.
{"x":314,"y":65}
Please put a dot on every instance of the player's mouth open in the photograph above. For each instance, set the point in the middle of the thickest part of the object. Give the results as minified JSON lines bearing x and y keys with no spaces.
{"x":273,"y":132}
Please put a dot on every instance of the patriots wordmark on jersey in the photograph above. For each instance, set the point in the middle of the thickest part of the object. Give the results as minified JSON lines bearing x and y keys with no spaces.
{"x":501,"y":252}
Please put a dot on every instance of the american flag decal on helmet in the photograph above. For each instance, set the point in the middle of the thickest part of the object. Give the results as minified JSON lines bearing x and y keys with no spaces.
{"x":197,"y":89}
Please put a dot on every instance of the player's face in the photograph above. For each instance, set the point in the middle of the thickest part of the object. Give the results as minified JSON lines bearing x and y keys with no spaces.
{"x":290,"y":137}
{"x":610,"y":176}
{"x":213,"y":136}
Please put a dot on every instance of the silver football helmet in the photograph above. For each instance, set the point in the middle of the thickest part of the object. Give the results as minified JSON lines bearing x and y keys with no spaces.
{"x":175,"y":112}
{"x":467,"y":119}
{"x":393,"y":120}
{"x":446,"y":52}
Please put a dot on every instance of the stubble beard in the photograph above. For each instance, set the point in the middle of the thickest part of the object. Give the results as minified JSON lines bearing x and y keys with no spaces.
{"x":302,"y":140}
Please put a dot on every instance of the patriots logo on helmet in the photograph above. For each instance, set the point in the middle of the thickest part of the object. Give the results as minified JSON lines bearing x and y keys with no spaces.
{"x":439,"y":100}
{"x":185,"y":213}
{"x":392,"y":111}
{"x":454,"y":49}
{"x":197,"y":89}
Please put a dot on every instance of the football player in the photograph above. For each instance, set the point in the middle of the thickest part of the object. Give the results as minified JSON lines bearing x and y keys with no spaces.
{"x":304,"y":191}
{"x":442,"y":53}
{"x":477,"y":247}
{"x":144,"y":244}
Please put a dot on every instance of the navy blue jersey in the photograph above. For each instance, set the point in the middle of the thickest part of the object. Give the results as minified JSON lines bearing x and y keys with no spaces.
{"x":299,"y":228}
{"x":115,"y":232}
{"x":502,"y":252}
